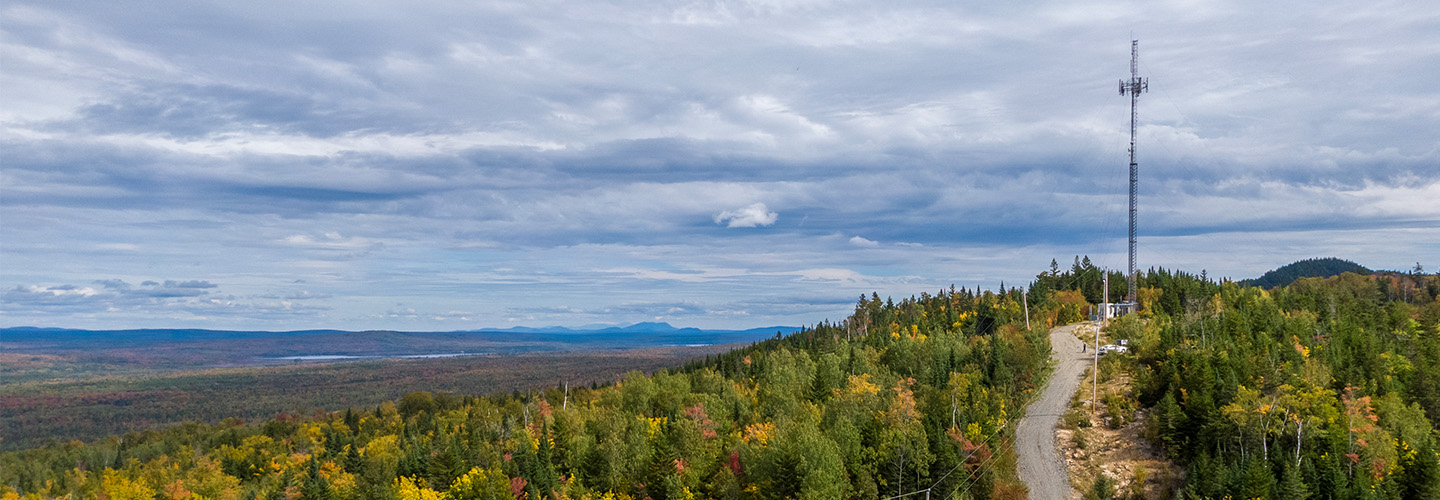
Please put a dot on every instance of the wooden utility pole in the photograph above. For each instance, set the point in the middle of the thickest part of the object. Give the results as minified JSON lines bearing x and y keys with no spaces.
{"x":1024,"y":298}
{"x":1100,"y":320}
{"x":1095,"y":383}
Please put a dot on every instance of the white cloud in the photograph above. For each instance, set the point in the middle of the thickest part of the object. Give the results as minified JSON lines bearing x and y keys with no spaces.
{"x":331,"y":241}
{"x":57,"y":291}
{"x":860,"y":241}
{"x":698,"y":276}
{"x":752,"y":216}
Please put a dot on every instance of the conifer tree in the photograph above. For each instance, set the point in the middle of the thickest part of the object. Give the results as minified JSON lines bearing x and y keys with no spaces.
{"x":1420,"y":476}
{"x":1292,"y":485}
{"x":316,"y":487}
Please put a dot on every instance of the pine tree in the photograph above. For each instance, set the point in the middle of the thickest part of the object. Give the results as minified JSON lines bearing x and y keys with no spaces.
{"x":354,"y":463}
{"x":1207,"y":476}
{"x":315,"y":486}
{"x":1258,"y":481}
{"x":545,"y":476}
{"x":1292,"y":485}
{"x":1420,"y":477}
{"x":448,"y":464}
{"x":352,"y":421}
{"x":1102,"y":489}
{"x":1169,"y":422}
{"x":414,"y":462}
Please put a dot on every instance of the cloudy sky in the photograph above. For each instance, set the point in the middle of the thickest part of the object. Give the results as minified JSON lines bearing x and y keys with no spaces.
{"x":451,"y":165}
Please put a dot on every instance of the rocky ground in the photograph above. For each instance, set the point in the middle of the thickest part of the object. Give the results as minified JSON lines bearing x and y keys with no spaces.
{"x":1090,"y":445}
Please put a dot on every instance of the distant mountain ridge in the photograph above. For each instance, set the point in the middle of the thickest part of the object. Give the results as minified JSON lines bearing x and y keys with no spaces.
{"x":252,"y":345}
{"x":1308,"y":268}
{"x":644,"y":327}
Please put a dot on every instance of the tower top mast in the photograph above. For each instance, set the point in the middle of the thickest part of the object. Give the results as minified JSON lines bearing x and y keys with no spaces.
{"x":1136,"y":86}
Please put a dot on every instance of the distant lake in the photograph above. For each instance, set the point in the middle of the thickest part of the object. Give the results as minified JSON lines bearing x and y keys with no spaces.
{"x":342,"y":357}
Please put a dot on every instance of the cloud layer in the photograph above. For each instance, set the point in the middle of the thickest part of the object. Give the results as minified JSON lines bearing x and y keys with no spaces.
{"x":719,"y":164}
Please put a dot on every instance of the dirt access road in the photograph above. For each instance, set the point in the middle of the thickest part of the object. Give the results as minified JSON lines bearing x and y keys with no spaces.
{"x":1039,"y":463}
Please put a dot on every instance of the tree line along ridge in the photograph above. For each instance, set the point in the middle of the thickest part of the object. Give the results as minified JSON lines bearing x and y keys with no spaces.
{"x":1322,"y":389}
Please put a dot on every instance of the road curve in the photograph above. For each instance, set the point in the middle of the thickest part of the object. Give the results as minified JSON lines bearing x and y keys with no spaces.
{"x":1039,"y":463}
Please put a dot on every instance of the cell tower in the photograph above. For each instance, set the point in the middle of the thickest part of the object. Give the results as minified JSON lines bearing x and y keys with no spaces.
{"x":1134,"y":87}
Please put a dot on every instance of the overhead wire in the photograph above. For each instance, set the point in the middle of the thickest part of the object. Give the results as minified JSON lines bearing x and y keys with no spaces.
{"x":1205,"y":157}
{"x":962,"y":462}
{"x":1113,"y":180}
{"x":980,"y":471}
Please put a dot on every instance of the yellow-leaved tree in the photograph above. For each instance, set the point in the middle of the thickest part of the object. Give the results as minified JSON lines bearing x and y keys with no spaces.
{"x":408,"y":488}
{"x":119,"y":487}
{"x":479,"y":484}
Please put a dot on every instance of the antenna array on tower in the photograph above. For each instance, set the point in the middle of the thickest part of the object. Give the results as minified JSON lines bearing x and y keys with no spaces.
{"x":1134,"y":88}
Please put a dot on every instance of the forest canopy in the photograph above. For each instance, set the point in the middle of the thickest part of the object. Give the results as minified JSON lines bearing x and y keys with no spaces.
{"x":1322,"y":389}
{"x":902,"y":396}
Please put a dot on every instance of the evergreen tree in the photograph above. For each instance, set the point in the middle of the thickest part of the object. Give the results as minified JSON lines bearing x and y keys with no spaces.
{"x":1102,"y":489}
{"x":1169,"y":423}
{"x":1420,"y":476}
{"x":414,"y":461}
{"x":352,"y":421}
{"x":316,"y":487}
{"x":544,"y":476}
{"x":1292,"y":485}
{"x":354,"y":463}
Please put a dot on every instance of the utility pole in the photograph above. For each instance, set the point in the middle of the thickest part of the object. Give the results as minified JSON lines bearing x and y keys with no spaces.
{"x":1134,"y":88}
{"x":1105,"y":278}
{"x":1095,"y":370}
{"x":1025,"y":299}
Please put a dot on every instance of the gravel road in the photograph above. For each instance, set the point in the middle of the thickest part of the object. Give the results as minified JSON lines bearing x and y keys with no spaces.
{"x":1039,"y":463}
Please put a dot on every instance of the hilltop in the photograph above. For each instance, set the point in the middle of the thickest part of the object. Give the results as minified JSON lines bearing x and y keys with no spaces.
{"x":1308,"y":268}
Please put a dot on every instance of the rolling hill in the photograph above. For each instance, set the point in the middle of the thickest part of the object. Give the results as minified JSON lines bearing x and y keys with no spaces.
{"x":1308,"y":268}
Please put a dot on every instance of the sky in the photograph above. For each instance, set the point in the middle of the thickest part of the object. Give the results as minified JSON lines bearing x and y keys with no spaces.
{"x":428,"y":165}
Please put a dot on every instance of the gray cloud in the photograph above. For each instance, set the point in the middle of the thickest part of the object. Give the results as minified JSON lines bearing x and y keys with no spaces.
{"x":116,"y":284}
{"x":186,"y":301}
{"x":500,"y":162}
{"x":197,"y":284}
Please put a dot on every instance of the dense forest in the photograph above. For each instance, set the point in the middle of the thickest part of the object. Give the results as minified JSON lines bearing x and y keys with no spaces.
{"x":87,"y":404}
{"x":911,"y":396}
{"x":1328,"y":388}
{"x":1322,"y":389}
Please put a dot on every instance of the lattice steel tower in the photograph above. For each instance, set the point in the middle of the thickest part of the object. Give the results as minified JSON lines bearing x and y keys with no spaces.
{"x":1134,"y":87}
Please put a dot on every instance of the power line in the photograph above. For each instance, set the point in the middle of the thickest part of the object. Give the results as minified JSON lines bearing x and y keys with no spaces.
{"x":979,"y":467}
{"x":979,"y":473}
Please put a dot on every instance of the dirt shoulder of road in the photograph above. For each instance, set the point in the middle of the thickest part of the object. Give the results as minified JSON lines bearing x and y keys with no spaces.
{"x":1109,"y":437}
